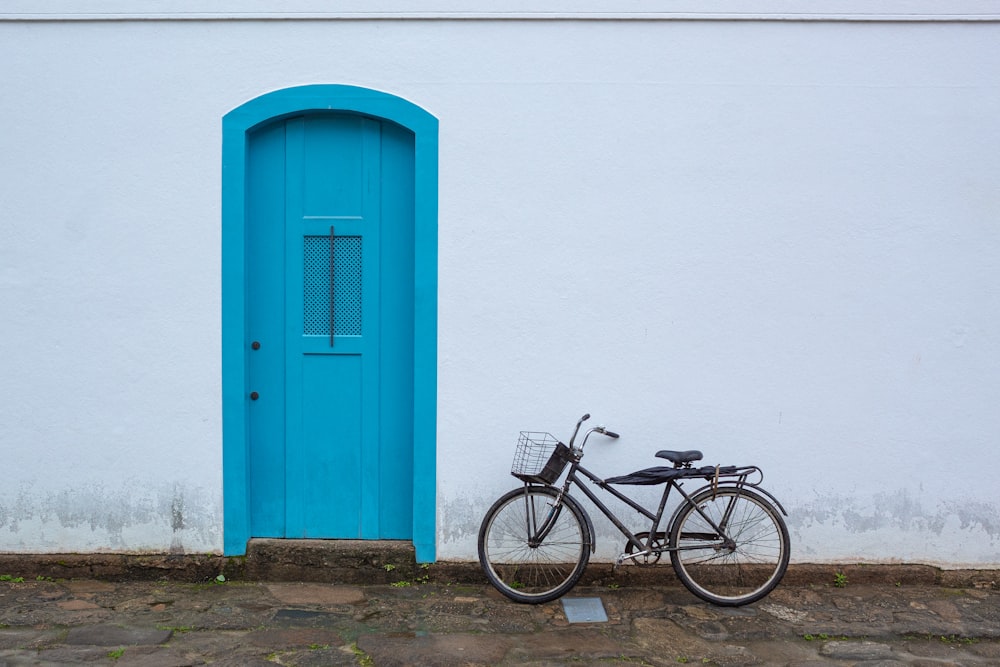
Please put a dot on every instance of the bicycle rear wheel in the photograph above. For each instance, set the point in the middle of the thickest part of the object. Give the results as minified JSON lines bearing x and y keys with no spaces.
{"x":531,"y":549}
{"x":738,"y":564}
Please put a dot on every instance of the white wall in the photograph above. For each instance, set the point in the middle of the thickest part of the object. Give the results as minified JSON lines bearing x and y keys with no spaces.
{"x":771,"y":240}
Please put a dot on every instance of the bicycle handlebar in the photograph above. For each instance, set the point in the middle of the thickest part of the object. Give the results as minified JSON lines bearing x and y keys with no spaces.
{"x":596,"y":429}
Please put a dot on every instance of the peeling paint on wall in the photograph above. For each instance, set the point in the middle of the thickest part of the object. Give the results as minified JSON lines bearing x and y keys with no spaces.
{"x":896,"y":526}
{"x":132,"y":518}
{"x":459,"y":519}
{"x":902,"y":510}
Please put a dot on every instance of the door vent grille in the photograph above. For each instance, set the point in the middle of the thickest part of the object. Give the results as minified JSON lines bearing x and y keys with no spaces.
{"x":346,"y":288}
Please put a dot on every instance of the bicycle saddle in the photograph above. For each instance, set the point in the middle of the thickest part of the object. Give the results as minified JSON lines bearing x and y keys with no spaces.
{"x":678,"y":458}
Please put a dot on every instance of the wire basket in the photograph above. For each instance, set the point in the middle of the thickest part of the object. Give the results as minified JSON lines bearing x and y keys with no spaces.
{"x":539,"y":458}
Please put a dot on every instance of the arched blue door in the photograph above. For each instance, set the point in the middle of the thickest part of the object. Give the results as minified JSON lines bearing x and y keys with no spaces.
{"x":327,"y":437}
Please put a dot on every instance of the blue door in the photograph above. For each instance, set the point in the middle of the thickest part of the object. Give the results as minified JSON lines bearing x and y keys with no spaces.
{"x":330,"y":327}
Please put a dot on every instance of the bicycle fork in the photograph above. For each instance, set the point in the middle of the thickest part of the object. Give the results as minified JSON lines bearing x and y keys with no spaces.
{"x":536,"y":533}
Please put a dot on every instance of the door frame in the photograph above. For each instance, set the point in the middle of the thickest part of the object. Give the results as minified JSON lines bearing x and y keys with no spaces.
{"x":236,"y":126}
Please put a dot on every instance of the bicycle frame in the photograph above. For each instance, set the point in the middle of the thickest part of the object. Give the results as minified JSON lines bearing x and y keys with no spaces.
{"x":573,"y":478}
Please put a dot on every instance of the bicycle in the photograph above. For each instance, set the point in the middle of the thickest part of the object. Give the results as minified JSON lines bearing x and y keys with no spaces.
{"x":727,"y":540}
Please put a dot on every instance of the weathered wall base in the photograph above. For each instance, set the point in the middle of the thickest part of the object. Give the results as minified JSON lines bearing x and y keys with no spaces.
{"x":121,"y":567}
{"x":387,"y":562}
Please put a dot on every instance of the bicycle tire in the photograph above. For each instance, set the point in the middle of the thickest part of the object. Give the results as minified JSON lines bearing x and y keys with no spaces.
{"x":527,"y":573}
{"x":741,"y":571}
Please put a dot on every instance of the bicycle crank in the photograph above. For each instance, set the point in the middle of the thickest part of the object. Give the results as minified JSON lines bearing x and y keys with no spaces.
{"x":653,"y":549}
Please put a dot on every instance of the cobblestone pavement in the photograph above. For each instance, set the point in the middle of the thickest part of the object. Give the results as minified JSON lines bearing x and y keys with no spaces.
{"x":427,"y":623}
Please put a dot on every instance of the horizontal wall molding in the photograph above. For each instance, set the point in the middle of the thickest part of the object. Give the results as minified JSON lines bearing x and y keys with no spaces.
{"x":514,"y":10}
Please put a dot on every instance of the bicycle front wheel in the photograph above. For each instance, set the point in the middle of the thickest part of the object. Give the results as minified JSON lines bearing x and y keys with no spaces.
{"x":729,"y":546}
{"x":532,"y":549}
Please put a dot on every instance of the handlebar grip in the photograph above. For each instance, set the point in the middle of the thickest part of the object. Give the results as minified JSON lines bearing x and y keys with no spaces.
{"x":611,"y":434}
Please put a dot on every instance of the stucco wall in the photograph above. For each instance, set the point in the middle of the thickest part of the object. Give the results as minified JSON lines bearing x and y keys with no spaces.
{"x":772,"y":240}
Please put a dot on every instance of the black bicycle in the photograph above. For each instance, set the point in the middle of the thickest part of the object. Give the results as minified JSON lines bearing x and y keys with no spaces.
{"x":727,"y":540}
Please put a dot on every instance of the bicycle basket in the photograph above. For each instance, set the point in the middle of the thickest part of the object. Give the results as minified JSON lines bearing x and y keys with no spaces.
{"x":539,"y":458}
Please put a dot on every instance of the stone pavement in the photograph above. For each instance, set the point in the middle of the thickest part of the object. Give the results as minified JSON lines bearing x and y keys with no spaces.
{"x":427,"y":620}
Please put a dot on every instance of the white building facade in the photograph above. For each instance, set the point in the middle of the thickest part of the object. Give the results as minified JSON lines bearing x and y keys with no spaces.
{"x":734,"y":227}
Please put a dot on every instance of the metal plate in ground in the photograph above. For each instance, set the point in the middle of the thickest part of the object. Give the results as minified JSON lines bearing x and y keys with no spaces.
{"x":584,"y":610}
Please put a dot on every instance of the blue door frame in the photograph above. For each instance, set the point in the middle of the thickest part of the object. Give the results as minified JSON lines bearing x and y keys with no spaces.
{"x":237,"y":125}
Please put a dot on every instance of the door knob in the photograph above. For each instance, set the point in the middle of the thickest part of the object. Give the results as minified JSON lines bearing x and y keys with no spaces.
{"x":254,"y":396}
